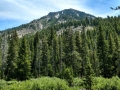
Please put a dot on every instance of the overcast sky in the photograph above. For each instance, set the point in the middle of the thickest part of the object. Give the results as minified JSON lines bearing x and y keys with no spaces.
{"x":16,"y":12}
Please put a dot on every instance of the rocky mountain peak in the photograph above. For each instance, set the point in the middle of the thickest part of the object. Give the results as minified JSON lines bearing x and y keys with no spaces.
{"x":51,"y":19}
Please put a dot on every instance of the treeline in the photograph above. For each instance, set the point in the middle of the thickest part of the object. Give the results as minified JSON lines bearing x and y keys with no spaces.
{"x":84,"y":53}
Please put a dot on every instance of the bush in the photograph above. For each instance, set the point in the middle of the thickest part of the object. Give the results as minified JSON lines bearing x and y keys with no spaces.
{"x":2,"y":84}
{"x":68,"y":76}
{"x":44,"y":83}
{"x":78,"y":82}
{"x":101,"y":83}
{"x":47,"y":83}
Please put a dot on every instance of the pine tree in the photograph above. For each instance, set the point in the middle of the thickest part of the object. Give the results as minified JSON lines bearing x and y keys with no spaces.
{"x":78,"y":43}
{"x":4,"y":48}
{"x":102,"y":52}
{"x":117,"y":54}
{"x":87,"y":21}
{"x":88,"y":75}
{"x":24,"y":63}
{"x":51,"y":36}
{"x":68,"y":75}
{"x":51,"y":43}
{"x":45,"y":58}
{"x":93,"y":54}
{"x":111,"y":67}
{"x":88,"y":69}
{"x":69,"y":47}
{"x":61,"y":56}
{"x":83,"y":54}
{"x":55,"y":62}
{"x":32,"y":55}
{"x":36,"y":58}
{"x":12,"y":57}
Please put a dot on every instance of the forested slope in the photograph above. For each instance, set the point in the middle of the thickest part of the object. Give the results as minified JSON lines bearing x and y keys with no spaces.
{"x":84,"y":53}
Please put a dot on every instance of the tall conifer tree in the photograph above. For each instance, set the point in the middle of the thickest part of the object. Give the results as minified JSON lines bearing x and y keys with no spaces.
{"x":12,"y":57}
{"x":24,"y":63}
{"x":45,"y":58}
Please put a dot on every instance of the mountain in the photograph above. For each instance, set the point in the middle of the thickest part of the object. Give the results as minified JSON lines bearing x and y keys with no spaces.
{"x":51,"y":19}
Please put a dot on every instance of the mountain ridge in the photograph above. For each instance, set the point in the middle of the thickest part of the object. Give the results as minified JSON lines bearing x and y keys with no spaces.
{"x":48,"y":20}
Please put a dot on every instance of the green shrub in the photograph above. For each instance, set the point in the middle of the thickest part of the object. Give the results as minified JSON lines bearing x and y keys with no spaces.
{"x":68,"y":76}
{"x":78,"y":82}
{"x":47,"y":83}
{"x":101,"y":83}
{"x":44,"y":83}
{"x":2,"y":84}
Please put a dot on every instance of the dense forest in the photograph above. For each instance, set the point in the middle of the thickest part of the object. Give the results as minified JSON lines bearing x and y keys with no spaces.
{"x":69,"y":54}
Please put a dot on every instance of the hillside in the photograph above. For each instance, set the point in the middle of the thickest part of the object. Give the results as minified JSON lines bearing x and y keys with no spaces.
{"x":51,"y":19}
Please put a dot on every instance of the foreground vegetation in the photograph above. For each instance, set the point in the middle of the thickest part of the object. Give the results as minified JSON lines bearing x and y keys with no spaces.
{"x":47,"y":83}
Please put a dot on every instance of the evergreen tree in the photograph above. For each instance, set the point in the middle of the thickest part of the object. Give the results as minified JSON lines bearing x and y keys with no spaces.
{"x":45,"y":58}
{"x":55,"y":62}
{"x":88,"y":70}
{"x":117,"y":54}
{"x":61,"y":56}
{"x":51,"y":44}
{"x":32,"y":55}
{"x":93,"y":54}
{"x":88,"y":75}
{"x":78,"y":43}
{"x":24,"y":63}
{"x":83,"y":54}
{"x":36,"y":58}
{"x":69,"y":47}
{"x":51,"y":36}
{"x":111,"y":67}
{"x":87,"y":21}
{"x":4,"y":48}
{"x":68,"y":75}
{"x":102,"y":52}
{"x":12,"y":57}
